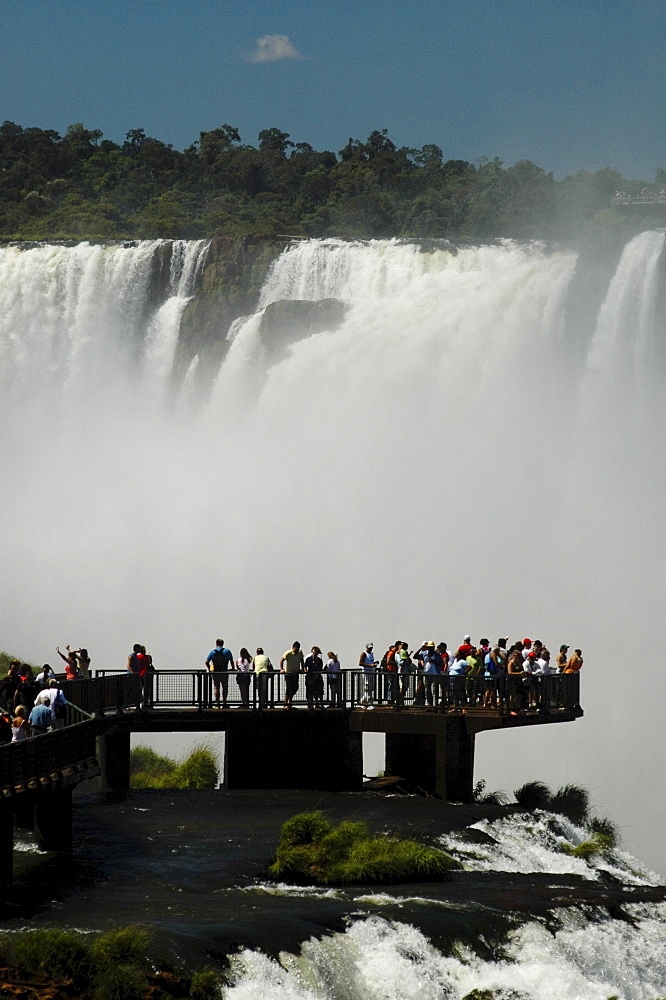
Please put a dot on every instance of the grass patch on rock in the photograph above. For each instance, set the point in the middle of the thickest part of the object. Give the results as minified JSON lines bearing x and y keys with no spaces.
{"x":115,"y":965}
{"x":311,"y":850}
{"x":112,"y":966}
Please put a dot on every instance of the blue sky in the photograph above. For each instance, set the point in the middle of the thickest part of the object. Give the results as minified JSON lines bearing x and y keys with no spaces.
{"x":569,"y":84}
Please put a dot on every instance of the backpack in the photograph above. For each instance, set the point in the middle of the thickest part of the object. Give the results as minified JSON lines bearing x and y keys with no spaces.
{"x":219,"y":660}
{"x":60,"y":705}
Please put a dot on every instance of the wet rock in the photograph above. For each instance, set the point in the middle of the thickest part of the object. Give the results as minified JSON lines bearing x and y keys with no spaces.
{"x":474,"y":836}
{"x":287,"y":321}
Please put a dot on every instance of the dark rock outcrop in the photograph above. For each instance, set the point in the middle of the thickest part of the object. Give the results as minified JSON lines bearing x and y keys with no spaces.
{"x":289,"y":320}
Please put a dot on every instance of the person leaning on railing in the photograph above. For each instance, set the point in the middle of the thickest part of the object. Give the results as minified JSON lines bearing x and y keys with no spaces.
{"x":244,"y":667}
{"x":332,"y":669}
{"x":263,"y":668}
{"x":574,"y":663}
{"x":291,"y":664}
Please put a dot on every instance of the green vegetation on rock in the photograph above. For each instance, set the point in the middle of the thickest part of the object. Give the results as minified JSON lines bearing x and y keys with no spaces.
{"x":114,"y":965}
{"x":110,"y":967}
{"x":571,"y":801}
{"x":588,"y":848}
{"x":206,"y":985}
{"x":149,"y":770}
{"x":311,"y":850}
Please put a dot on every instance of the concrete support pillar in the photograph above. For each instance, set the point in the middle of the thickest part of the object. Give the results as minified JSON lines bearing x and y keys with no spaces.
{"x":53,"y":819}
{"x":113,"y":757}
{"x":441,"y":762}
{"x":459,"y":762}
{"x":419,"y":759}
{"x":294,"y":750}
{"x":6,"y":842}
{"x":24,"y":812}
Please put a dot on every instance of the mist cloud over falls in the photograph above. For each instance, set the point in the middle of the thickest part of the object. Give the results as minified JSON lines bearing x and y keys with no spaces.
{"x":458,"y":456}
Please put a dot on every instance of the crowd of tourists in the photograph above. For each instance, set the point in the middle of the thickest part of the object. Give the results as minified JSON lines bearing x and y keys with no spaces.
{"x":472,"y":674}
{"x":431,"y":674}
{"x":30,"y":704}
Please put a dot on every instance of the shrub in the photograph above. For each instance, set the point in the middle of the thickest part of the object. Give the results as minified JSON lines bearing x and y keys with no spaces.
{"x":309,"y":848}
{"x":606,"y":828}
{"x":498,"y":798}
{"x":149,"y":770}
{"x":571,"y":801}
{"x":146,"y":761}
{"x":205,"y":985}
{"x":199,"y":770}
{"x":59,"y":954}
{"x":533,"y":795}
{"x":123,"y":945}
{"x":121,"y":982}
{"x":108,"y":968}
{"x":304,"y":828}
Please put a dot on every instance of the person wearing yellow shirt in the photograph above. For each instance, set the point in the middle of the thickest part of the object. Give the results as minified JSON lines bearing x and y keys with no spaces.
{"x":291,"y":664}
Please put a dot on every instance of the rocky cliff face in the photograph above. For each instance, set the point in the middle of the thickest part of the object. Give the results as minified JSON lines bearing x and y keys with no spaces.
{"x":233,"y":275}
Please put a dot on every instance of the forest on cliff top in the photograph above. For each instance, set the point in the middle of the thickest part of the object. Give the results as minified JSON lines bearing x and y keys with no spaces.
{"x":82,"y":186}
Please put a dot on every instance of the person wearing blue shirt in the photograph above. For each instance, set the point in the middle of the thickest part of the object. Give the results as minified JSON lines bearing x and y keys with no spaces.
{"x":219,"y":661}
{"x":433,"y":668}
{"x":40,"y":718}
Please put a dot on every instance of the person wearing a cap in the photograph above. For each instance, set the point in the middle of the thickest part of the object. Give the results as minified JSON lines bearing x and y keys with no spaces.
{"x":527,"y":647}
{"x":368,"y":665}
{"x":562,"y":658}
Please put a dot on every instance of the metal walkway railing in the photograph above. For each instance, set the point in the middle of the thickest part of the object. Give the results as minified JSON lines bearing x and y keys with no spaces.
{"x":355,"y":689}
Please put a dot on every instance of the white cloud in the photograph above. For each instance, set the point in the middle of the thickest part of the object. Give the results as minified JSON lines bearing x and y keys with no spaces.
{"x":271,"y":48}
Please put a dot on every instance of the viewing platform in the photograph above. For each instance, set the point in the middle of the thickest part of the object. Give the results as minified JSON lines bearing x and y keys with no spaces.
{"x":430,"y":725}
{"x":647,"y":198}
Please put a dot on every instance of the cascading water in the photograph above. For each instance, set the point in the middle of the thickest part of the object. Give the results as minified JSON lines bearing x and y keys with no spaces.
{"x":439,"y":463}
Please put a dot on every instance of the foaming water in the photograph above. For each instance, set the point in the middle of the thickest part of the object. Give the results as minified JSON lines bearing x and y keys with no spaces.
{"x":376,"y":958}
{"x":440,"y":463}
{"x":533,"y":843}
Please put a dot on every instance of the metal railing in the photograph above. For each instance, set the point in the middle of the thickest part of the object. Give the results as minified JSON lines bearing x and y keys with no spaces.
{"x":46,"y":756}
{"x":109,"y":691}
{"x":648,"y":198}
{"x":353,"y":689}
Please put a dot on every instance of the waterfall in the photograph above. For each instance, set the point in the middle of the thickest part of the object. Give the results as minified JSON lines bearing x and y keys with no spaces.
{"x":162,"y":334}
{"x":436,"y":463}
{"x":629,"y":308}
{"x":77,"y":318}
